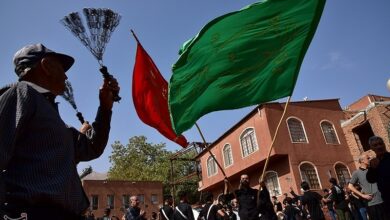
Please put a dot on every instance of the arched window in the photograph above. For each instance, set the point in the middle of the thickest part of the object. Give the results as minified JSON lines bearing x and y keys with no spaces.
{"x":272,"y":183}
{"x":329,"y":133}
{"x":342,"y":174}
{"x":309,"y":174}
{"x":248,"y":142}
{"x":227,"y":155}
{"x":211,"y":166}
{"x":297,"y":132}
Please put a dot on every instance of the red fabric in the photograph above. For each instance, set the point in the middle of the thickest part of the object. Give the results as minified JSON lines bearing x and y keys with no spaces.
{"x":150,"y":96}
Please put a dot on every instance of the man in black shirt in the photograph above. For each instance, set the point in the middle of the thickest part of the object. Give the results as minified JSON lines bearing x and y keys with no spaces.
{"x":166,"y":211}
{"x":209,"y":210}
{"x":338,"y":197}
{"x":277,"y":205}
{"x":378,"y":170}
{"x":312,"y":201}
{"x":247,"y":199}
{"x":183,"y":210}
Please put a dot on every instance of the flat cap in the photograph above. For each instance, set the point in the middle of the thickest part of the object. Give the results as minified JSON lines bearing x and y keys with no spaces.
{"x":27,"y":57}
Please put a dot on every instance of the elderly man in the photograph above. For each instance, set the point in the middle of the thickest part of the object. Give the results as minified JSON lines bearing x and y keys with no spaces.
{"x":378,"y":171}
{"x":134,"y":212}
{"x":38,"y":151}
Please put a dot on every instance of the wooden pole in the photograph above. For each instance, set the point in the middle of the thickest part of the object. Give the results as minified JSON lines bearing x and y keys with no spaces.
{"x":209,"y":151}
{"x":173,"y":185}
{"x":273,"y":140}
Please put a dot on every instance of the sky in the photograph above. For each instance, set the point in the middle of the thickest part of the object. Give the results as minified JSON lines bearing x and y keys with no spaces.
{"x":347,"y":59}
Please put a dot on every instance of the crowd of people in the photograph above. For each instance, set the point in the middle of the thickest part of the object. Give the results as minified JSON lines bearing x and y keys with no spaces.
{"x":362,"y":198}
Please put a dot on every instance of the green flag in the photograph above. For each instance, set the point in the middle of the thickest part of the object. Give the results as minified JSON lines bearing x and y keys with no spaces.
{"x":242,"y":58}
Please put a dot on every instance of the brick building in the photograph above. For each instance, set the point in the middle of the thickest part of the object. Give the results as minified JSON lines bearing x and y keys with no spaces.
{"x":115,"y":194}
{"x":310,"y":146}
{"x":368,"y":116}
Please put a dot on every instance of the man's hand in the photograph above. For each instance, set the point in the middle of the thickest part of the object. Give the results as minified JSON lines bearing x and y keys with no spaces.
{"x":109,"y":86}
{"x":85,"y":127}
{"x":367,"y":197}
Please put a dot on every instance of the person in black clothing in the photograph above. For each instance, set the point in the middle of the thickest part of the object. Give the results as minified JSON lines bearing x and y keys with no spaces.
{"x":106,"y":214}
{"x":154,"y":216}
{"x":209,"y":210}
{"x":338,"y":197}
{"x":378,"y":171}
{"x":134,"y":212}
{"x":358,"y":205}
{"x":222,"y":203}
{"x":297,"y":201}
{"x":312,"y":201}
{"x":230,"y":214}
{"x":302,"y":208}
{"x":265,"y":205}
{"x":295,"y":197}
{"x":234,"y":204}
{"x":247,"y":199}
{"x":183,"y":210}
{"x":285,"y":198}
{"x":166,"y":211}
{"x":291,"y":212}
{"x":277,"y":205}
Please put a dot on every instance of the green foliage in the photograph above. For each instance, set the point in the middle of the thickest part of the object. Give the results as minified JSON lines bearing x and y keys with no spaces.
{"x":140,"y":160}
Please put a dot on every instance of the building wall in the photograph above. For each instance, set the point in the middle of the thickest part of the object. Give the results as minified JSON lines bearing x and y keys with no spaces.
{"x":259,"y":123}
{"x":378,"y":117}
{"x":102,"y":188}
{"x":363,"y":102}
{"x":264,"y":121}
{"x":317,"y":152}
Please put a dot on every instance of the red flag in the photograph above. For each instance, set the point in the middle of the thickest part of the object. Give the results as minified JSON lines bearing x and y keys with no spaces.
{"x":150,"y":96}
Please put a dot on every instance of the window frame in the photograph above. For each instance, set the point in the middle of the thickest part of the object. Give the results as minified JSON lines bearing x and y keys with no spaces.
{"x":154,"y":202}
{"x":303,"y":129}
{"x":109,"y":196}
{"x":126,"y":203}
{"x":334,"y":130}
{"x":215,"y":166}
{"x":277,"y":181}
{"x":243,"y":134}
{"x":141,"y":198}
{"x":230,"y":155}
{"x":316,"y":172}
{"x":92,"y":202}
{"x":337,"y":176}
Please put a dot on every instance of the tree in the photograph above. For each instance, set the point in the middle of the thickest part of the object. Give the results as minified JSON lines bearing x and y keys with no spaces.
{"x":143,"y":161}
{"x":139,"y":160}
{"x":184,"y":178}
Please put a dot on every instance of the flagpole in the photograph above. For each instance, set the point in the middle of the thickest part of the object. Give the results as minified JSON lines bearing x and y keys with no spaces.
{"x":273,"y":140}
{"x":135,"y":36}
{"x":212,"y":155}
